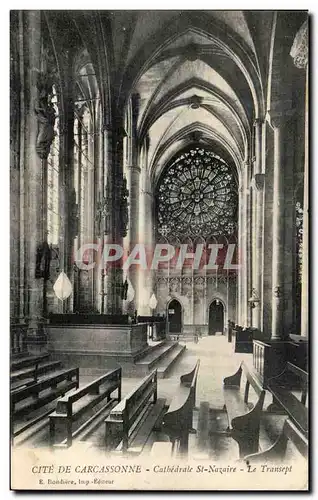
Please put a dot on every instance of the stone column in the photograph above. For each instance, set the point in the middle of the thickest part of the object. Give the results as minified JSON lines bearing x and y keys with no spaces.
{"x":244,"y":233}
{"x":240,"y":280}
{"x":108,"y":278}
{"x":118,"y":215}
{"x":277,"y":230}
{"x":133,"y":182}
{"x":146,"y":278}
{"x":257,"y":185}
{"x":98,"y":195}
{"x":34,"y":168}
{"x":91,"y":203}
{"x":69,"y":209}
{"x":299,"y":53}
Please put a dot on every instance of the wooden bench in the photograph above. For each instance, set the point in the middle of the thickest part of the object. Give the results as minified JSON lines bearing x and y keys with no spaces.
{"x":72,"y":407}
{"x":243,"y":417}
{"x":178,"y":420}
{"x":278,"y":450}
{"x":27,"y":361}
{"x":130,"y":423}
{"x":284,"y":399}
{"x":28,"y":400}
{"x":297,"y":351}
{"x":293,"y":378}
{"x":303,"y":378}
{"x":29,"y":376}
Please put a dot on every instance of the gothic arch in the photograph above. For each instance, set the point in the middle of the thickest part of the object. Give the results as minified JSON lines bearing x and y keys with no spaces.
{"x":154,"y":50}
{"x":183,"y":138}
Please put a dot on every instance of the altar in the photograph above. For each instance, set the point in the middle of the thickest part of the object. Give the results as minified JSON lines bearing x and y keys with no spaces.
{"x":88,"y":342}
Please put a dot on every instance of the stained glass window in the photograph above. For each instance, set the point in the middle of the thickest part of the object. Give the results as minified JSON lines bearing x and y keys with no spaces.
{"x":197,"y":196}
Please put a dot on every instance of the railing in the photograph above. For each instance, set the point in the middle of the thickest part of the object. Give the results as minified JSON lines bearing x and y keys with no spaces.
{"x":258,"y":357}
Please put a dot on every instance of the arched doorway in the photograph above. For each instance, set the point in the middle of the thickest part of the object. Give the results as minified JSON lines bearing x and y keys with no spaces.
{"x":175,"y":316}
{"x":216,"y":317}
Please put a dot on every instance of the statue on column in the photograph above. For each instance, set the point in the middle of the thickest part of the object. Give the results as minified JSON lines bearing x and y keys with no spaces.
{"x":43,"y":261}
{"x":45,"y":113}
{"x":103,"y":213}
{"x":74,"y":216}
{"x":123,"y":208}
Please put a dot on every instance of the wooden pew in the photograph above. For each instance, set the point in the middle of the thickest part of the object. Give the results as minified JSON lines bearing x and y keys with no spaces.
{"x":302,"y":375}
{"x":297,"y":351}
{"x":278,"y":450}
{"x":130,"y":423}
{"x":283,"y":397}
{"x":26,"y":401}
{"x":27,"y":361}
{"x":177,"y":421}
{"x":243,"y":417}
{"x":29,"y":376}
{"x":72,"y":407}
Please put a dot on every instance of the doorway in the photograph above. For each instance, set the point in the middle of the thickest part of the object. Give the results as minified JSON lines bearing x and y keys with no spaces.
{"x":175,"y":316}
{"x":216,"y":317}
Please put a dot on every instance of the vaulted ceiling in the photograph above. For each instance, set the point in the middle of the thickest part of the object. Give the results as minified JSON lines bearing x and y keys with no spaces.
{"x":201,"y":74}
{"x":194,"y":71}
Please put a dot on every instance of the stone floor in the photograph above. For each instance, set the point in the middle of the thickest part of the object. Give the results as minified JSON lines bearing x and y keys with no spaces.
{"x":217,"y":360}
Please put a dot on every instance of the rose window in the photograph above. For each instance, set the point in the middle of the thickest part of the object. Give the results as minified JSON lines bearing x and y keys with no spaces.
{"x":197,"y":196}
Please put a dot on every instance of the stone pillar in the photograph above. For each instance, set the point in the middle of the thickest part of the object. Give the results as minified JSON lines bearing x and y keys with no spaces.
{"x":244,"y":233}
{"x":146,"y":278}
{"x":278,"y":231}
{"x":134,"y":190}
{"x":240,"y":280}
{"x":299,"y":53}
{"x":118,"y":215}
{"x":91,"y":166}
{"x":109,"y":277}
{"x":69,"y":209}
{"x":98,"y":195}
{"x":133,"y":182}
{"x":102,"y":212}
{"x":34,"y":168}
{"x":257,"y":185}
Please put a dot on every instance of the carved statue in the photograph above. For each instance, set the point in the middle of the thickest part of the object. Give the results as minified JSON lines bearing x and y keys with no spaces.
{"x":74,"y":229}
{"x":124,"y":208}
{"x":124,"y":290}
{"x":45,"y":112}
{"x":43,"y":260}
{"x":103,"y":213}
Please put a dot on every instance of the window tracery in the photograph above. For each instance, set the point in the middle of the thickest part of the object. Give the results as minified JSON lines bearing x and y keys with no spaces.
{"x":197,"y":196}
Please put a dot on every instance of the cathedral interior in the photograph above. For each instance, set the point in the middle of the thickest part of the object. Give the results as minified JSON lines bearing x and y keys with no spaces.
{"x":159,"y":229}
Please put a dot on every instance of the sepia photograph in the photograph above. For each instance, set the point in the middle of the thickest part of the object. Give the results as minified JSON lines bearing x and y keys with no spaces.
{"x":159,"y":250}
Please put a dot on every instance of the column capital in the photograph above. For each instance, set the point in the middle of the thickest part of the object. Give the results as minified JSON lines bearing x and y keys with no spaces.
{"x":247,"y":162}
{"x":278,"y":292}
{"x":134,"y":168}
{"x":257,"y":122}
{"x":277,"y":117}
{"x":147,"y":141}
{"x":299,"y":50}
{"x":149,"y":193}
{"x":106,"y":127}
{"x":258,"y":182}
